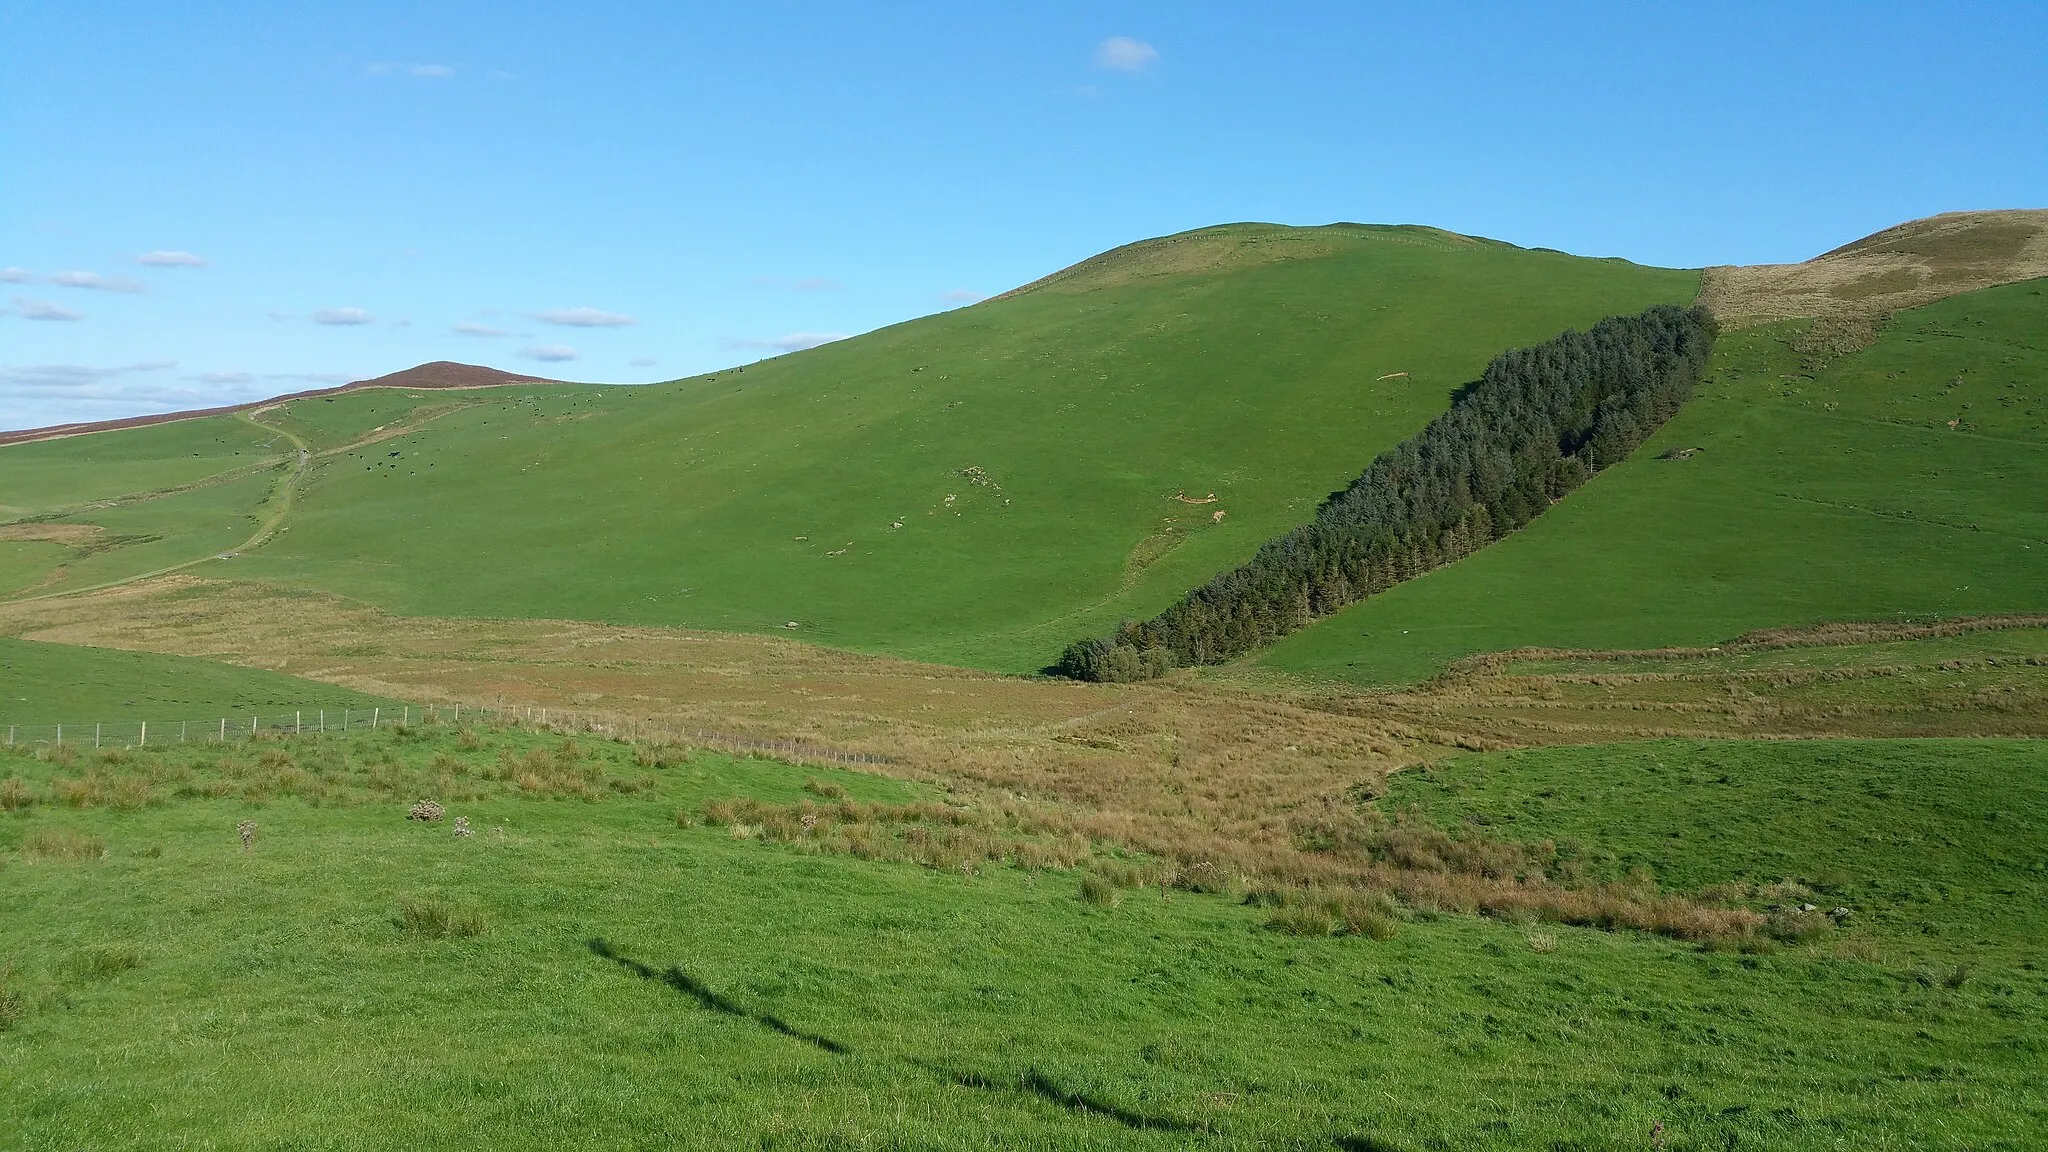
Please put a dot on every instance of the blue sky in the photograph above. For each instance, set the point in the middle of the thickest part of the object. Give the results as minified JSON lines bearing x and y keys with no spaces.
{"x":206,"y":203}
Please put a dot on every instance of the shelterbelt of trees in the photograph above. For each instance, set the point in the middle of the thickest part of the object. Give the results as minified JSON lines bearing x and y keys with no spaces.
{"x":1537,"y":424}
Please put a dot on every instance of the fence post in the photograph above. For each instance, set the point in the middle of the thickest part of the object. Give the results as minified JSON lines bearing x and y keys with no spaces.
{"x":298,"y":722}
{"x":142,"y":741}
{"x":373,"y":715}
{"x":184,"y":730}
{"x":344,"y":719}
{"x":406,"y":718}
{"x":223,"y":729}
{"x":255,"y":724}
{"x":95,"y":735}
{"x":60,"y":734}
{"x":10,"y":735}
{"x":323,"y":720}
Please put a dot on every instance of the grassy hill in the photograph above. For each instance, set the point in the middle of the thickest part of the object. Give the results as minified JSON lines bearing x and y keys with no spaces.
{"x":976,"y":487}
{"x":1898,"y":481}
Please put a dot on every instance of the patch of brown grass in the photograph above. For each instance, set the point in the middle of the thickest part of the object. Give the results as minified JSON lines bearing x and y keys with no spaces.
{"x":1214,"y":779}
{"x":62,"y":844}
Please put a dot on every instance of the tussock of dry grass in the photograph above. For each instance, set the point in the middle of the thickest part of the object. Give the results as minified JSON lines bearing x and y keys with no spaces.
{"x":60,"y":844}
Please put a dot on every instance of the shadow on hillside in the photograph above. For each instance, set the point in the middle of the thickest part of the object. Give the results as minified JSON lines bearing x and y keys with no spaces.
{"x":705,"y":997}
{"x":1036,"y":1083}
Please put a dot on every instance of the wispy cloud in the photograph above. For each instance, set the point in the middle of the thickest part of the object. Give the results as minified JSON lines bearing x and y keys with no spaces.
{"x":467,"y":328}
{"x":584,"y":318}
{"x":549,"y":353}
{"x":794,"y":342}
{"x":94,"y":281}
{"x":13,"y":275}
{"x":1124,"y":54}
{"x":962,"y":296}
{"x":643,"y":361}
{"x":170,"y":259}
{"x":29,"y":309}
{"x":48,"y":378}
{"x":225,"y":377}
{"x":341,"y":316}
{"x":418,"y":71}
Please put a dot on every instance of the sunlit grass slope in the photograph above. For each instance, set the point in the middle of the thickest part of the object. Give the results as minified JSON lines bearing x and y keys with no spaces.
{"x":85,"y":509}
{"x":63,"y":684}
{"x":56,"y":475}
{"x":1900,"y":481}
{"x":979,"y":486}
{"x":604,"y":978}
{"x":1940,"y":843}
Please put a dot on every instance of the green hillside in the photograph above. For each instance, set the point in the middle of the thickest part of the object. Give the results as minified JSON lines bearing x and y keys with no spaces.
{"x":1903,"y":480}
{"x":975,"y":487}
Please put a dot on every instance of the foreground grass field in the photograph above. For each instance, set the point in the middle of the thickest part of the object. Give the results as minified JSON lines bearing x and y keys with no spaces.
{"x":977,"y":487}
{"x":1898,"y":482}
{"x":586,"y":971}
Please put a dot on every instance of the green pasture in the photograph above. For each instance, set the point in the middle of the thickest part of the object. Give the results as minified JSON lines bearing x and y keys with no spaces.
{"x":1836,"y":492}
{"x":978,"y":487}
{"x":1940,"y":847}
{"x":54,"y":475}
{"x":635,"y":983}
{"x":65,"y":684}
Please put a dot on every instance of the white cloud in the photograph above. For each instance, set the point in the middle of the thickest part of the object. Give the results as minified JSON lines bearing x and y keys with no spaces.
{"x":643,"y":362}
{"x":12,"y":275}
{"x":1124,"y":54}
{"x":95,"y":281}
{"x":467,"y":328}
{"x":584,"y":318}
{"x":170,"y":259}
{"x":794,"y":342}
{"x":962,"y":296}
{"x":550,"y":353}
{"x":815,"y":284}
{"x":29,"y":309}
{"x":341,"y":316}
{"x":418,"y":71}
{"x":281,"y":315}
{"x":65,"y":393}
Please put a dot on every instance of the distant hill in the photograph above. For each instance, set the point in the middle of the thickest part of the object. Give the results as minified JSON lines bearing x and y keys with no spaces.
{"x":976,"y":487}
{"x":438,"y":374}
{"x":1906,"y":266}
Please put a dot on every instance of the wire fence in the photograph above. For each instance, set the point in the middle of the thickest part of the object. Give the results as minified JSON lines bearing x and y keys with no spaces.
{"x":299,"y":722}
